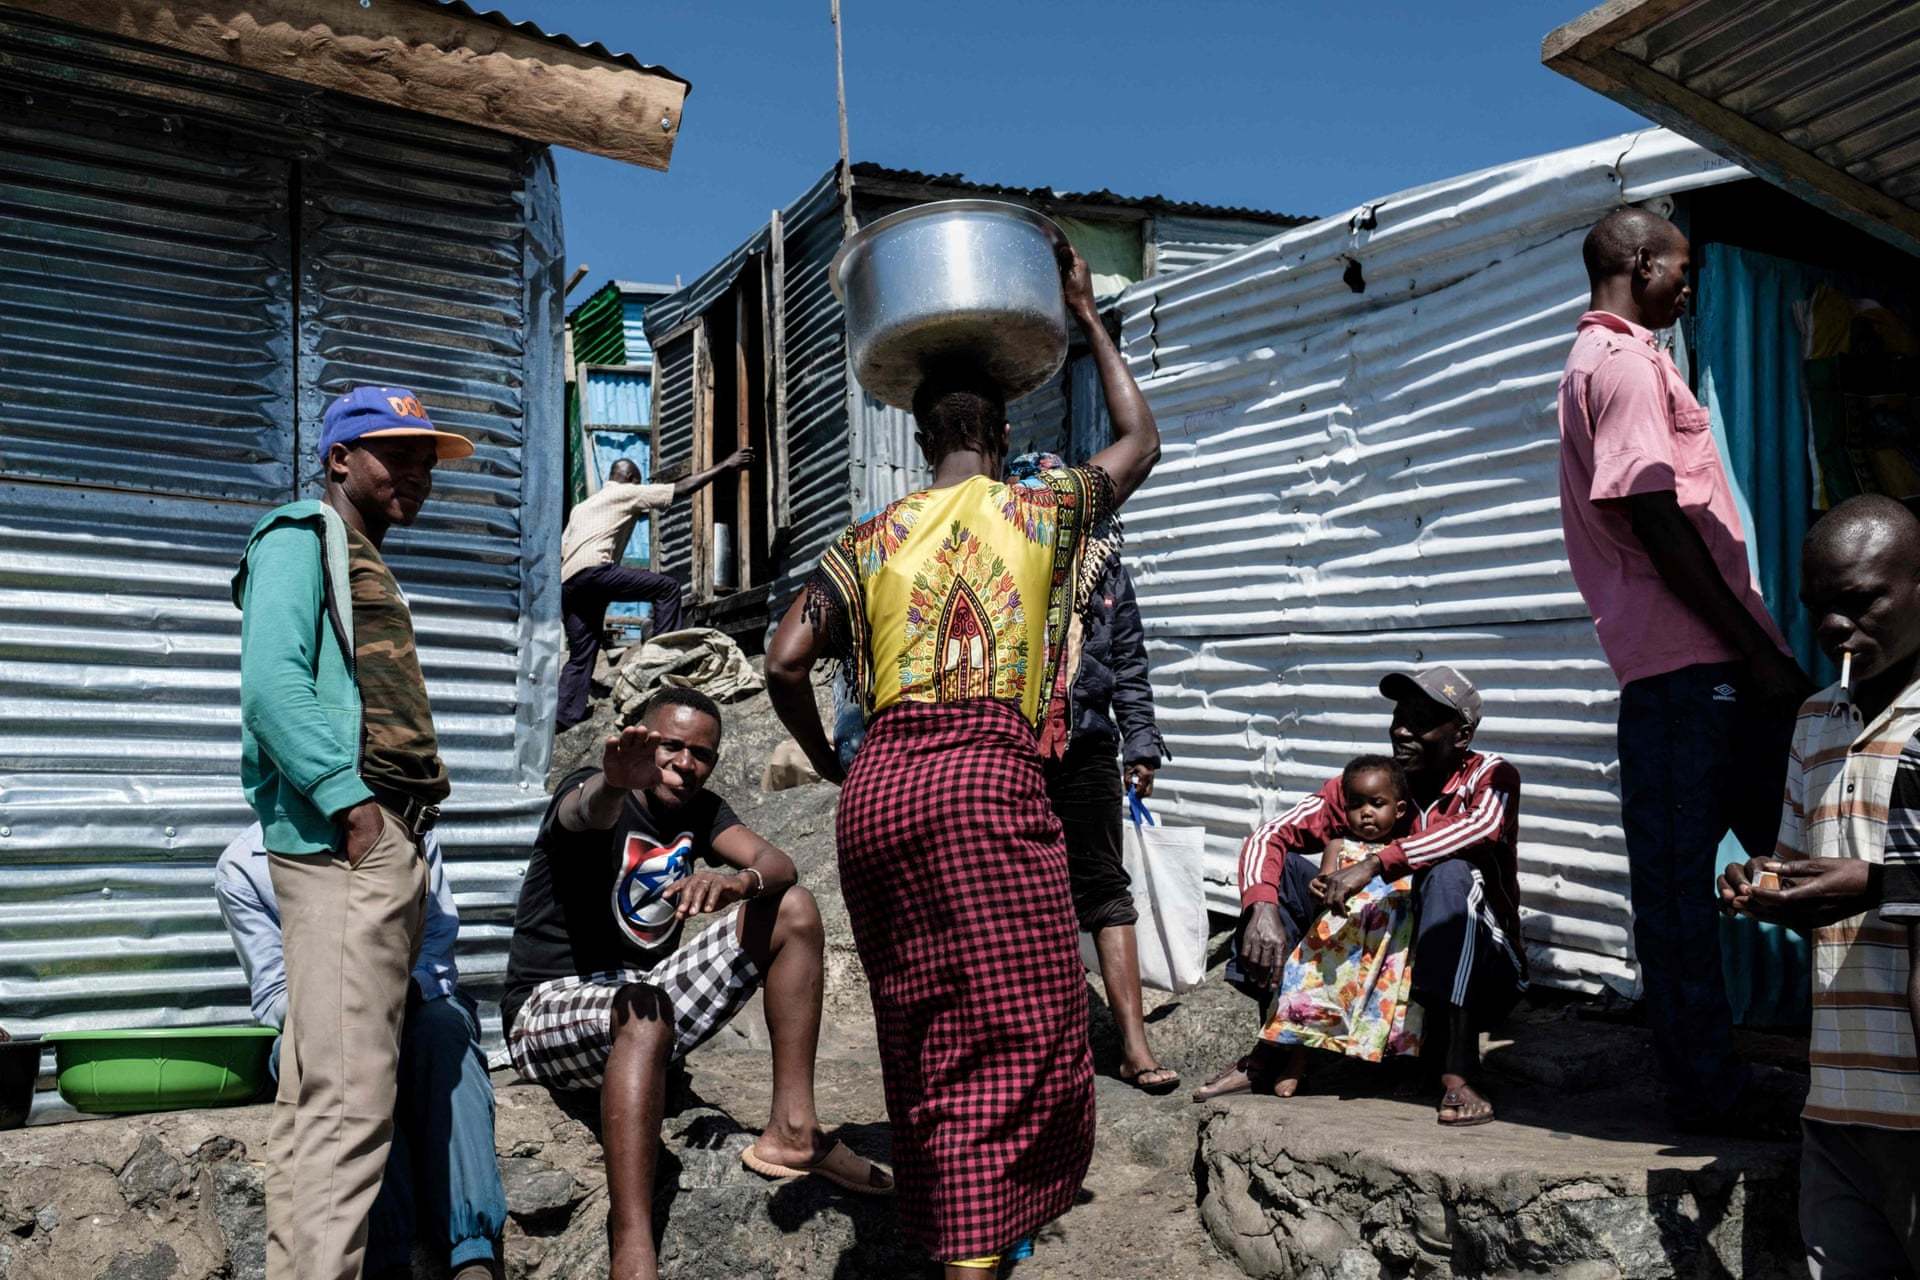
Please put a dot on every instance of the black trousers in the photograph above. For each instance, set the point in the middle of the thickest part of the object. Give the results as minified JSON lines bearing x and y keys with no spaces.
{"x":583,"y":607}
{"x":1084,"y":788}
{"x":1700,"y":755}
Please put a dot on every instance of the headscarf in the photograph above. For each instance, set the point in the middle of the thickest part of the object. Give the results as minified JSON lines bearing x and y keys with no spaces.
{"x":1026,"y":468}
{"x":1103,"y":540}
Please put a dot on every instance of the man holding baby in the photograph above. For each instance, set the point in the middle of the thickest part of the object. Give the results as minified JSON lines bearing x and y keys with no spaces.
{"x":1402,"y":870}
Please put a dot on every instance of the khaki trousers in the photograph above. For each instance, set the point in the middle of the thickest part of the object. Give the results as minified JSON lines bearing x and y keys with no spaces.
{"x":350,"y":936}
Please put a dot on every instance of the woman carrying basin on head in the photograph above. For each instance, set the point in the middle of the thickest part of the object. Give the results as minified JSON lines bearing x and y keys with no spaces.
{"x":950,"y":608}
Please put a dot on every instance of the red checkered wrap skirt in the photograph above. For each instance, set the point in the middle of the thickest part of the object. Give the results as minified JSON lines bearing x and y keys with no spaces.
{"x":955,"y":877}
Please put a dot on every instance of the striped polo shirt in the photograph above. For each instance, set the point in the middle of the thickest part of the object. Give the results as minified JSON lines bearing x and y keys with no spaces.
{"x":1838,"y":789}
{"x":1900,"y":884}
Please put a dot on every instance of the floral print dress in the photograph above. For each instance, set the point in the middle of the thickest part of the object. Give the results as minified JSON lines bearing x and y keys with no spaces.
{"x":1347,"y":986}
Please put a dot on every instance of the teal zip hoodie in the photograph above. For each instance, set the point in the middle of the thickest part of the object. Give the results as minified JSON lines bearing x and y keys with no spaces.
{"x":300,"y":714}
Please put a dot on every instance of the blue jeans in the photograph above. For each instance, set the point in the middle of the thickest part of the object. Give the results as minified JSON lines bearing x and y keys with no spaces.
{"x":1699,"y":756}
{"x":442,"y":1164}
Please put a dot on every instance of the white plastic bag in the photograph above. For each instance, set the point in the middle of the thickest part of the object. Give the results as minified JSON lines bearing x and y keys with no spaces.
{"x":1170,"y":894}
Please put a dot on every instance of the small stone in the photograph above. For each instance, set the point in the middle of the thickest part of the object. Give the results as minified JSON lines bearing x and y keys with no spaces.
{"x":538,"y":1193}
{"x":1430,"y":1224}
{"x":1357,"y":1264}
{"x":239,"y":1207}
{"x":214,"y":1150}
{"x":47,"y":1219}
{"x":1323,"y":1238}
{"x":151,"y":1174}
{"x":159,"y":1262}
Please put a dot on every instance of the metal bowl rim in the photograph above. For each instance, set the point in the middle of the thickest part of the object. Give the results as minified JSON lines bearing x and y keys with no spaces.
{"x":867,"y":234}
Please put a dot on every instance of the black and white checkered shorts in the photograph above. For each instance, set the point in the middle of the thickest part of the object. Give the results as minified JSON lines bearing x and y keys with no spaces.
{"x":565,"y":1029}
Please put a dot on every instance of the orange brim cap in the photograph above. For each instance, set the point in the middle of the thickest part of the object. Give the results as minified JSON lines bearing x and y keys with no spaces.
{"x":447,"y":445}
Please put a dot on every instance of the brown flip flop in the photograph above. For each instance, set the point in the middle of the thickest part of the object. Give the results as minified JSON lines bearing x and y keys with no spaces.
{"x":1455,"y":1100}
{"x":839,"y":1166}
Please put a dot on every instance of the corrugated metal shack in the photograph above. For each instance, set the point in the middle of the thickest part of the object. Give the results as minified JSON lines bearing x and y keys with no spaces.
{"x":753,"y":352}
{"x":610,"y":406}
{"x":194,"y":259}
{"x":1361,"y":473}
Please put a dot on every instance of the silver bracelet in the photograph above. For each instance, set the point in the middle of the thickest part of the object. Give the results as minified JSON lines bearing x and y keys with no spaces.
{"x":759,"y":881}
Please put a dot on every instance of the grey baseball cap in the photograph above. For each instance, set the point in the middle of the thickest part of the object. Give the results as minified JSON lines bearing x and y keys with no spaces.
{"x":1443,"y":685}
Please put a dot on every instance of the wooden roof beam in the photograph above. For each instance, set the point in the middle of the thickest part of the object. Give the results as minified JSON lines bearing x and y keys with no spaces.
{"x":1588,"y":50}
{"x":417,"y":56}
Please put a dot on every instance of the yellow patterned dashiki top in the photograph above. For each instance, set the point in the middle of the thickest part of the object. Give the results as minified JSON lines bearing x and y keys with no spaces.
{"x":964,"y":592}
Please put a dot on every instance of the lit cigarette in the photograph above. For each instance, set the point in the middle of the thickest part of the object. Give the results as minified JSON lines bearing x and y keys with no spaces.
{"x":1846,"y":673}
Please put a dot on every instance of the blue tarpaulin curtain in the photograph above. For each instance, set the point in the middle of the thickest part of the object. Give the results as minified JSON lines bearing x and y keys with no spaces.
{"x":1747,"y":354}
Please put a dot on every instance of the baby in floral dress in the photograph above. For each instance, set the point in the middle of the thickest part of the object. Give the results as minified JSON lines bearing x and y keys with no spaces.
{"x":1346,"y":986}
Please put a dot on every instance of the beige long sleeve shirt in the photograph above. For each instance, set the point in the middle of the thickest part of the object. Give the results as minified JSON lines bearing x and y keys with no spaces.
{"x":599,"y":528}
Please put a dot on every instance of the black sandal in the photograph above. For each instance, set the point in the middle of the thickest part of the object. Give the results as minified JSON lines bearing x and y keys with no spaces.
{"x":1159,"y":1088}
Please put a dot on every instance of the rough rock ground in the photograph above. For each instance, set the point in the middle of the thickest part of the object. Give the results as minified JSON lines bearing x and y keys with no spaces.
{"x":180,"y":1196}
{"x":1349,"y":1182}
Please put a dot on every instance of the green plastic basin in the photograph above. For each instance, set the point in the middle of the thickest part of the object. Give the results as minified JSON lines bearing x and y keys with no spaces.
{"x":162,"y":1069}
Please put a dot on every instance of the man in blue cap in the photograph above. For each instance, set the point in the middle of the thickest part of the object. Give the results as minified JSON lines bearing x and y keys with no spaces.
{"x":340,"y":762}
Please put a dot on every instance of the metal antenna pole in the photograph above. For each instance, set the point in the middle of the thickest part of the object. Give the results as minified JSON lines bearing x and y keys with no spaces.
{"x":848,"y":226}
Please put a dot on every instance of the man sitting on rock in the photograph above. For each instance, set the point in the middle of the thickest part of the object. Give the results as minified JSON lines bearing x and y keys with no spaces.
{"x":1459,"y":840}
{"x":600,"y":991}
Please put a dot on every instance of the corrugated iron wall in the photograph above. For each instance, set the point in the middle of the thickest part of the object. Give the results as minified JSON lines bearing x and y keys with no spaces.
{"x":673,"y":453}
{"x":619,"y":421}
{"x":146,"y":280}
{"x":849,"y":453}
{"x":1354,"y":481}
{"x":428,"y":256}
{"x":633,"y":327}
{"x":887,"y":463}
{"x":1067,"y":416}
{"x":823,"y":461}
{"x":822,"y":453}
{"x":619,"y":398}
{"x":1181,"y":242}
{"x":1038,"y":422}
{"x":598,"y":329}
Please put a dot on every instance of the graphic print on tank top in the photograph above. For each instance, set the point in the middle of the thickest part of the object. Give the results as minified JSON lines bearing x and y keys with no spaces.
{"x":646,"y":871}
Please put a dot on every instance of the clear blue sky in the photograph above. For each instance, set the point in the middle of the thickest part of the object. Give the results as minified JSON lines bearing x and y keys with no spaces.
{"x":1277,"y":104}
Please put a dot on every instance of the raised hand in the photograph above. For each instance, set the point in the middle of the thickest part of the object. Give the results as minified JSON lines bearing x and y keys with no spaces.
{"x":1076,"y":283}
{"x":630,"y":759}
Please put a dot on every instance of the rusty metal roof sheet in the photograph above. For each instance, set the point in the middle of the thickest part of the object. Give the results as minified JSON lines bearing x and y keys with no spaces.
{"x":1819,"y":96}
{"x":593,"y":48}
{"x":1046,"y":196}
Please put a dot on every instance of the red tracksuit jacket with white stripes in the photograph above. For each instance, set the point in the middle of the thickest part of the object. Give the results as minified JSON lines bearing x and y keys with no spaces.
{"x":1477,"y":817}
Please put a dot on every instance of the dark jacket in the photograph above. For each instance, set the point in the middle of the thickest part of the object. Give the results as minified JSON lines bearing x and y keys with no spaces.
{"x":1112,"y":682}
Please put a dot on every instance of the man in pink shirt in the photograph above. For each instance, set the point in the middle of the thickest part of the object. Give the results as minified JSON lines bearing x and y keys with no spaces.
{"x":1708,"y":689}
